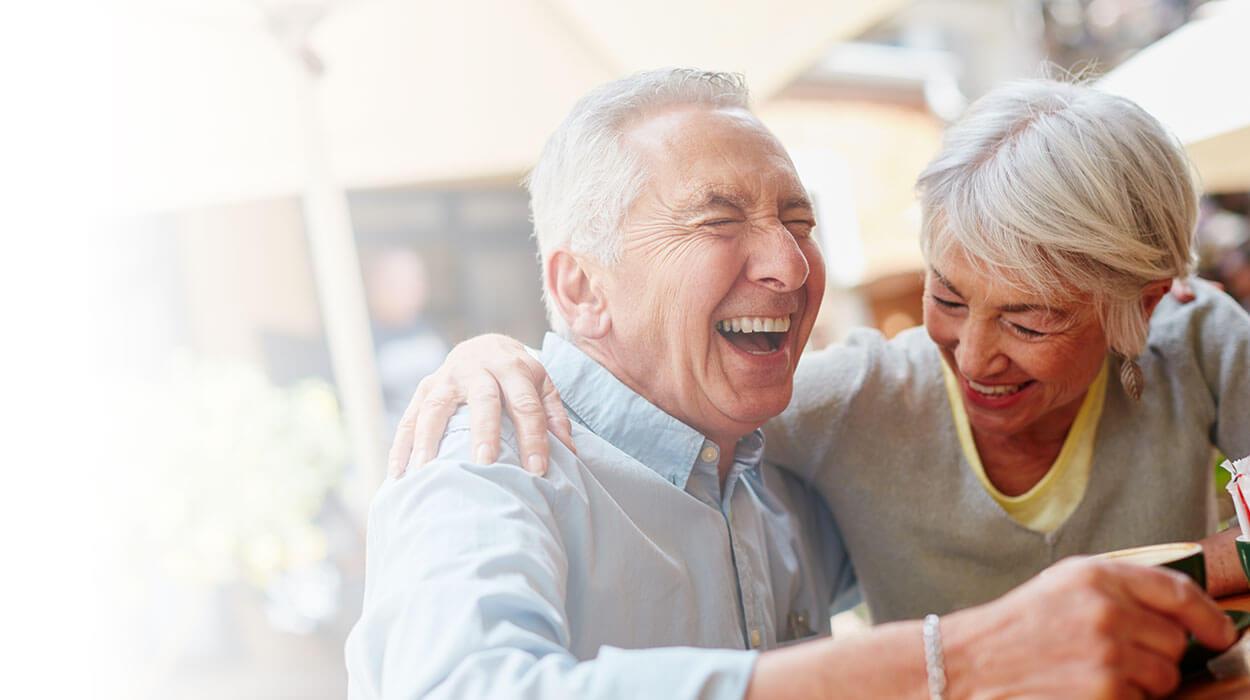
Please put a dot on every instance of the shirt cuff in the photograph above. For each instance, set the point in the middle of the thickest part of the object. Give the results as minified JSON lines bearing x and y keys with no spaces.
{"x":675,"y":672}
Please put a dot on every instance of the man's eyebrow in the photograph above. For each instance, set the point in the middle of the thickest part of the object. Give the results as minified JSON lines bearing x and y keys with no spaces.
{"x":713,"y":198}
{"x":796,"y":202}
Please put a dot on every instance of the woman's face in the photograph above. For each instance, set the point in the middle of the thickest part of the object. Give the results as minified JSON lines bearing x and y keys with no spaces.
{"x":1023,"y":362}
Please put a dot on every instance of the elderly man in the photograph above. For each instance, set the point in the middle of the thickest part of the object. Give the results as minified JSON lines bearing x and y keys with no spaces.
{"x":662,"y":560}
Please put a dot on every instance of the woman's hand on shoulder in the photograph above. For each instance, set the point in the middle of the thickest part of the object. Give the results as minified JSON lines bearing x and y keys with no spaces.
{"x":489,"y":373}
{"x":1183,"y":291}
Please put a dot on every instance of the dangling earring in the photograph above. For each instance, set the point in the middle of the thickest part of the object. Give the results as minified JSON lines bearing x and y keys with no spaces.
{"x":1131,"y":377}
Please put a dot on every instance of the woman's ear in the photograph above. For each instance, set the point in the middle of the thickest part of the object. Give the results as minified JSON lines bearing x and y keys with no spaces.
{"x":1152,"y":294}
{"x":574,"y":285}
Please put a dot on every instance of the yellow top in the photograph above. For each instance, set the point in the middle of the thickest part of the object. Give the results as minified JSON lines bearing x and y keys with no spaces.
{"x":1048,"y":504}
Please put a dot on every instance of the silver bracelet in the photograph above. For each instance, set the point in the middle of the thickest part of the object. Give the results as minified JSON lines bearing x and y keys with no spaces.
{"x":934,"y":664}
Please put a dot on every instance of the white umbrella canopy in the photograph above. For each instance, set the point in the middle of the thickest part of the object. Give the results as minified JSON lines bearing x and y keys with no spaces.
{"x":418,"y":91}
{"x":413,"y":90}
{"x":1194,"y":81}
{"x":425,"y":91}
{"x":206,"y":108}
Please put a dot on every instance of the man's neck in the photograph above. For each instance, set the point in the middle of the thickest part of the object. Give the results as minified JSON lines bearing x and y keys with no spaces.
{"x":605,"y":358}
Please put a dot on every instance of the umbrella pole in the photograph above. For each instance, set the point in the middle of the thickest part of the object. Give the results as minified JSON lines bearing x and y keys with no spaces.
{"x":344,"y":313}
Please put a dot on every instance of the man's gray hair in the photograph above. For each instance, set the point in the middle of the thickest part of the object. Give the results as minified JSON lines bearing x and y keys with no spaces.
{"x":586,"y":178}
{"x":1058,"y":188}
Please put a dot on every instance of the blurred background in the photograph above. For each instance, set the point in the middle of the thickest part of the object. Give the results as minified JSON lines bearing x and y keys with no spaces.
{"x":304,"y":204}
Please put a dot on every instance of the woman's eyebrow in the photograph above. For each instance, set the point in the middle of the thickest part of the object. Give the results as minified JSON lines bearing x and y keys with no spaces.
{"x":945,"y":282}
{"x":1035,"y":308}
{"x":1062,"y":314}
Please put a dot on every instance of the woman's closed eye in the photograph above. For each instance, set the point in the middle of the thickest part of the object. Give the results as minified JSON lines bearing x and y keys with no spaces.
{"x":946,"y":303}
{"x":1025,"y":332}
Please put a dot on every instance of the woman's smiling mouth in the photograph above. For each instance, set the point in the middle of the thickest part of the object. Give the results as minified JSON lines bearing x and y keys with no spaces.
{"x":995,"y":396}
{"x":997,"y":389}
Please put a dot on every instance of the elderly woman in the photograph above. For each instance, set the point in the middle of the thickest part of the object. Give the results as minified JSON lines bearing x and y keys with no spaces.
{"x":1058,"y":401}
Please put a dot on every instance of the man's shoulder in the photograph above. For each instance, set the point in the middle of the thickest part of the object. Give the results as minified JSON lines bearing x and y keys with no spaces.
{"x":1208,"y":327}
{"x":1210,"y":305}
{"x":567,"y":473}
{"x":454,"y":479}
{"x":460,"y":425}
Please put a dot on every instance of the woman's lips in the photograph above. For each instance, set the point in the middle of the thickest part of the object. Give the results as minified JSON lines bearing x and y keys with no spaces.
{"x":995,"y":396}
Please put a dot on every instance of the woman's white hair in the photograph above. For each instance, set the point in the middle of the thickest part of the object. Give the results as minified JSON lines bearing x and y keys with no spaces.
{"x":586,"y":178}
{"x":1060,"y":190}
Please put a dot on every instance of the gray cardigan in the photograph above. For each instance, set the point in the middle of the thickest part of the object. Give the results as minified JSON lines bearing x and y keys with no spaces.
{"x":870,"y":425}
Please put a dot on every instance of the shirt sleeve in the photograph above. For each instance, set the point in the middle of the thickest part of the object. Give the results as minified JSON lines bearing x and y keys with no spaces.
{"x":464,"y":598}
{"x":1223,"y":341}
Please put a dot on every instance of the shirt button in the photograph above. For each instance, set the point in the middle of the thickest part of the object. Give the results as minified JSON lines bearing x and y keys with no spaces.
{"x":709,"y":454}
{"x":755,"y":639}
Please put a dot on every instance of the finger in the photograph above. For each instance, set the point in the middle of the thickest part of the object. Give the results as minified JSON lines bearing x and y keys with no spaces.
{"x":1175,"y":595}
{"x":485,"y":410}
{"x":1154,"y":633}
{"x":1182,"y":290}
{"x":436,"y":410}
{"x":1156,"y":675}
{"x":557,"y":417}
{"x":401,"y":446}
{"x":525,"y":408}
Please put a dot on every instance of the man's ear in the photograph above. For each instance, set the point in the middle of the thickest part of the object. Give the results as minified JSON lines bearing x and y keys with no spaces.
{"x":1152,"y":294}
{"x":574,"y":284}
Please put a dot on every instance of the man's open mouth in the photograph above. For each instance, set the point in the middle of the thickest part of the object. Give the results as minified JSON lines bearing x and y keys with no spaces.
{"x":758,"y":335}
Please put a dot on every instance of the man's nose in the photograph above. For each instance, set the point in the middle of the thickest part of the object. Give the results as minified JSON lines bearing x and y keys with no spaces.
{"x":776,"y":261}
{"x":977,"y":351}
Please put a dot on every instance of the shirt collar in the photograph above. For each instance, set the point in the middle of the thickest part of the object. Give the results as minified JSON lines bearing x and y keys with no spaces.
{"x":632,"y":424}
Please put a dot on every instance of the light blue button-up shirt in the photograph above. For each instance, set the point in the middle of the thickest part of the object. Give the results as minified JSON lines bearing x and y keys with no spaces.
{"x":626,"y":572}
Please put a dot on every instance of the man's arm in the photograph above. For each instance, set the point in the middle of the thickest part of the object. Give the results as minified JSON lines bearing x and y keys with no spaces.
{"x":1224,"y":574}
{"x":1223,"y":353}
{"x":1082,"y":628}
{"x":465,"y":590}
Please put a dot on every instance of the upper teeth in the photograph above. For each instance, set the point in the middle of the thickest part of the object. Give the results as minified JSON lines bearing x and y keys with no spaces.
{"x":996,"y":389}
{"x":755,"y":324}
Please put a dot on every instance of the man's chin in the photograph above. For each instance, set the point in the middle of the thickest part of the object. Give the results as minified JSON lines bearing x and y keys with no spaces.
{"x":753,"y":408}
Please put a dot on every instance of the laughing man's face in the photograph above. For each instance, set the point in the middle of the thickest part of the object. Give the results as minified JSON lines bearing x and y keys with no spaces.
{"x":720,"y":277}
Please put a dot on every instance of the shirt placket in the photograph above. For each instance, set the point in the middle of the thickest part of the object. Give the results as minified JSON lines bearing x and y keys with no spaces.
{"x":743,"y":541}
